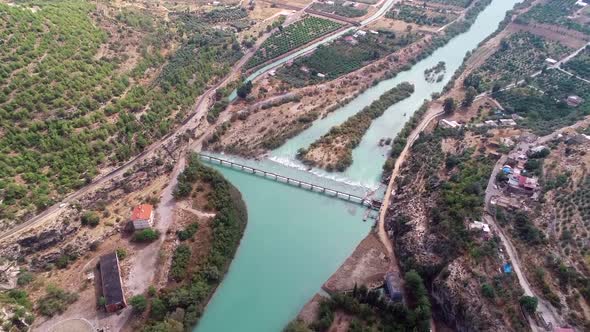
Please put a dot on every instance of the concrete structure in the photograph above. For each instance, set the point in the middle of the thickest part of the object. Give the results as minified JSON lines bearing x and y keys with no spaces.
{"x":491,"y":123}
{"x":507,"y":122}
{"x":551,"y":62}
{"x":142,"y":217}
{"x":370,"y":203}
{"x":444,"y":123}
{"x":112,"y":286}
{"x":480,"y":226}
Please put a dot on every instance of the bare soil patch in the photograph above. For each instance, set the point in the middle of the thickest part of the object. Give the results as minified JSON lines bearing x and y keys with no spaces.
{"x":367,"y":265}
{"x":570,"y":38}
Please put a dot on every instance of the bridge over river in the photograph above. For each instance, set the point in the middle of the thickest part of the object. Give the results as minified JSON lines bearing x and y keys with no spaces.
{"x":368,"y":202}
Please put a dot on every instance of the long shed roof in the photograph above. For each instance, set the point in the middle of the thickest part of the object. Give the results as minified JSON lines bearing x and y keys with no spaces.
{"x":110,"y":276}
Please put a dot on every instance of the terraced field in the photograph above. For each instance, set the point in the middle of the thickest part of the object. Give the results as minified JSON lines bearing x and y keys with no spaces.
{"x":519,"y":56}
{"x":580,"y":64}
{"x":343,"y":56}
{"x":543,"y":105}
{"x":558,"y":12}
{"x":420,"y":15}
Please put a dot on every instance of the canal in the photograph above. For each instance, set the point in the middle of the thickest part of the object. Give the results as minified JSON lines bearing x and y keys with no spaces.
{"x":296,"y":239}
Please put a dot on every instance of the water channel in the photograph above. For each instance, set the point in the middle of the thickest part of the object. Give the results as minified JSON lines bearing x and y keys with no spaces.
{"x":296,"y":239}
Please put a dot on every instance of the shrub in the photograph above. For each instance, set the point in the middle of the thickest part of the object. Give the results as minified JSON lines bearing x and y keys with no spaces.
{"x":24,"y":278}
{"x":188,"y":232}
{"x":121,"y":253}
{"x":180,"y":262}
{"x":146,"y":235}
{"x":90,"y":219}
{"x":55,"y":301}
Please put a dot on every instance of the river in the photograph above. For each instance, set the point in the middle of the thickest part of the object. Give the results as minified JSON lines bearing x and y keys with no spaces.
{"x":295,"y":239}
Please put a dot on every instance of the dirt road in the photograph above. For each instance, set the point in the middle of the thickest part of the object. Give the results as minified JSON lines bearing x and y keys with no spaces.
{"x":430,"y":115}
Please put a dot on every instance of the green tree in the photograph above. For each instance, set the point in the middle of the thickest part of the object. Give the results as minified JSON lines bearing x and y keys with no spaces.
{"x":139,"y":303}
{"x":158,"y":310}
{"x":244,"y":89}
{"x":488,"y":291}
{"x":449,"y":105}
{"x":469,"y":97}
{"x":529,"y":303}
{"x":296,"y":326}
{"x":55,"y":301}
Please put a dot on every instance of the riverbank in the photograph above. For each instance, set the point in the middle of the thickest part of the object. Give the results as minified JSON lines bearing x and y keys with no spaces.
{"x":203,"y":247}
{"x":264,"y":198}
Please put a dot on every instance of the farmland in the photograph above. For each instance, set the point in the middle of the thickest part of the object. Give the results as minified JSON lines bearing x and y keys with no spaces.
{"x":546,"y":112}
{"x":224,"y":15}
{"x":556,"y":12}
{"x":339,"y":8}
{"x":457,"y":3}
{"x":580,"y":64}
{"x":519,"y":56}
{"x":338,"y":143}
{"x":292,"y":37}
{"x":344,"y":56}
{"x":420,"y":15}
{"x":67,"y":112}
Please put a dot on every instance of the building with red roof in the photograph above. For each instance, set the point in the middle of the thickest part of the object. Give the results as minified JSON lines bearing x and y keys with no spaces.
{"x":142,"y":216}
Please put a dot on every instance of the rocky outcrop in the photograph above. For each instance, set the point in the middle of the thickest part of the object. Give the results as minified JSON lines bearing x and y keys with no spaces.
{"x":49,"y":237}
{"x":458,"y":295}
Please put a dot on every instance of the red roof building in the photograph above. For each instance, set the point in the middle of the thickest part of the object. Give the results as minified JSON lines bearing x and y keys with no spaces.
{"x":142,"y":216}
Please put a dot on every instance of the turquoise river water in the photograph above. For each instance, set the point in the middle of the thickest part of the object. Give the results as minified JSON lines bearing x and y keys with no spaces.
{"x":296,"y":239}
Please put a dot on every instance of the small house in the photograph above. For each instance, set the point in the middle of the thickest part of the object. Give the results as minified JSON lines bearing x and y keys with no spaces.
{"x":551,"y":62}
{"x":142,"y":217}
{"x":392,"y":289}
{"x":112,"y":286}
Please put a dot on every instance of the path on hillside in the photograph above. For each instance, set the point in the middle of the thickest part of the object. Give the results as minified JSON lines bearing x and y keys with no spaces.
{"x":430,"y":115}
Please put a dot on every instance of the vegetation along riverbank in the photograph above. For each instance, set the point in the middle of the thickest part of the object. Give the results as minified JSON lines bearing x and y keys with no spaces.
{"x":194,"y":275}
{"x":333,"y":151}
